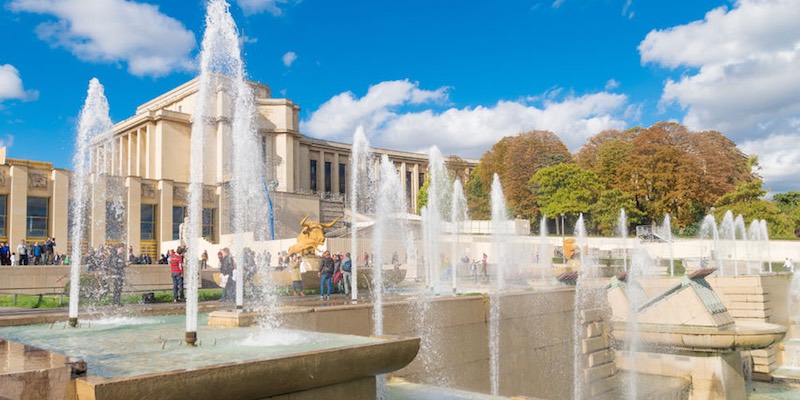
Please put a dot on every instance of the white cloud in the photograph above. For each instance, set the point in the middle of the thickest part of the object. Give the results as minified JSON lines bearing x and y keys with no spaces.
{"x":151,"y":43}
{"x":289,"y":58}
{"x":11,"y":85}
{"x":558,"y":3}
{"x":258,"y":6}
{"x":740,"y":74}
{"x":468,"y":131}
{"x":611,"y":84}
{"x":779,"y":160}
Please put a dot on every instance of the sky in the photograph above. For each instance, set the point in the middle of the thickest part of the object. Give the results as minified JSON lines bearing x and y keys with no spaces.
{"x":458,"y":74}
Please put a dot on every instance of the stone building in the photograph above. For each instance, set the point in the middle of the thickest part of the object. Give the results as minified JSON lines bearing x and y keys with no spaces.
{"x":147,"y":166}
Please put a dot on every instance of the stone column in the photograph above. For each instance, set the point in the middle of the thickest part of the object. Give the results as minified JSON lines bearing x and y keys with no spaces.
{"x":335,"y":174}
{"x":414,"y":187}
{"x":404,"y":184}
{"x":97,"y":210}
{"x":321,"y":172}
{"x":165,"y":203}
{"x":17,"y":205}
{"x":284,"y":172}
{"x":59,"y":208}
{"x":134,"y":215}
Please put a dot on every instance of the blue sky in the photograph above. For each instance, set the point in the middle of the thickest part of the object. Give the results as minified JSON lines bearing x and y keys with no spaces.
{"x":456,"y":74}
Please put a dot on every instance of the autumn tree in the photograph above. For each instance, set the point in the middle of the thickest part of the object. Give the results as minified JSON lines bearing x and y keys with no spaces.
{"x":515,"y":159}
{"x":661,"y":178}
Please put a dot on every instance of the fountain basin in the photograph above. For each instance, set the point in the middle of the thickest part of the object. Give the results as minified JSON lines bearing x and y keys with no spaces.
{"x":145,"y":358}
{"x":742,"y":335}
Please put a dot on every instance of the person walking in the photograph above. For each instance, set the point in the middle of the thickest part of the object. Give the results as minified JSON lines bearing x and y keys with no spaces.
{"x":347,"y":268}
{"x":325,"y":275}
{"x":176,"y":269}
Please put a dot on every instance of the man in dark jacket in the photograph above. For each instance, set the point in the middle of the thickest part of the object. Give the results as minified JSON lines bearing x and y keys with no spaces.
{"x":326,"y":267}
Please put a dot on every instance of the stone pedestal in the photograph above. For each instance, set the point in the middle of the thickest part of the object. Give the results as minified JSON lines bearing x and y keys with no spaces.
{"x":232,"y":318}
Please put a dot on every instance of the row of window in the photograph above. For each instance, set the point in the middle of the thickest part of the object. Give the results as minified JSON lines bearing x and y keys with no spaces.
{"x":342,"y":175}
{"x":36,"y":222}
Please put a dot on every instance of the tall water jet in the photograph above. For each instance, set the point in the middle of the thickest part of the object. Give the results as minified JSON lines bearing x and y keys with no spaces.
{"x":436,"y":206}
{"x":359,"y":175}
{"x":666,"y":227}
{"x":741,"y":231}
{"x":708,"y":230}
{"x":499,"y":225}
{"x":225,"y":108}
{"x":543,"y":253}
{"x":622,"y":226}
{"x":640,"y":267}
{"x":389,"y":222}
{"x":94,"y":127}
{"x":589,"y":298}
{"x":458,"y":214}
{"x":754,"y":236}
{"x":765,"y":238}
{"x":727,"y":232}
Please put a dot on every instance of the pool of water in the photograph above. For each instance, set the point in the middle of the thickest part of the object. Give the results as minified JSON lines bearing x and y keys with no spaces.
{"x":772,"y":391}
{"x":131,"y":346}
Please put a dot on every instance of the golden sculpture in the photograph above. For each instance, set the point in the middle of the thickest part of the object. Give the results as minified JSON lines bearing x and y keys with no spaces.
{"x":311,"y":237}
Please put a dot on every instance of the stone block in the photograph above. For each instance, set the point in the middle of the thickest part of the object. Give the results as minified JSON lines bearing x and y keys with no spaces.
{"x":592,"y":345}
{"x":593,"y":374}
{"x":600,"y":357}
{"x":593,"y":315}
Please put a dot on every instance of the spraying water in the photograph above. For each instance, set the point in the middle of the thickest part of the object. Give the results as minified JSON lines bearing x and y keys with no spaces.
{"x":359,"y":174}
{"x":622,"y":226}
{"x":94,"y":127}
{"x":754,"y":234}
{"x":741,"y":232}
{"x":458,"y":214}
{"x":765,"y":239}
{"x":708,"y":230}
{"x":432,"y":225}
{"x":499,"y":220}
{"x":667,"y":228}
{"x":221,"y":83}
{"x":727,"y":233}
{"x":544,"y":253}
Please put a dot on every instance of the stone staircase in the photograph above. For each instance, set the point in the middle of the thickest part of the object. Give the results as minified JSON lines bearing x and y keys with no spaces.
{"x":598,"y":358}
{"x":330,"y":209}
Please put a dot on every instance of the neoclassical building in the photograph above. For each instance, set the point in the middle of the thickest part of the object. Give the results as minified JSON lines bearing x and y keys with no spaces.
{"x":147,"y":166}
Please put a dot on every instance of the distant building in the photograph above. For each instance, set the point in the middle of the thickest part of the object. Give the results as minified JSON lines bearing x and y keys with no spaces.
{"x":148,"y":166}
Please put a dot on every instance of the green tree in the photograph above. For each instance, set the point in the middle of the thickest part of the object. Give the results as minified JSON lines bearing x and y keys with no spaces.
{"x":748,"y":200}
{"x":565,"y":189}
{"x":478,"y":196}
{"x":605,"y":212}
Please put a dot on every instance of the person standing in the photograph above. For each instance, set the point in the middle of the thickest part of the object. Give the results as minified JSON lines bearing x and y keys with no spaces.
{"x":37,"y":253}
{"x":297,"y":276}
{"x":788,"y":265}
{"x":22,"y":251}
{"x":226,"y":267}
{"x":204,"y":260}
{"x":484,"y":266}
{"x":117,"y":270}
{"x":176,"y":269}
{"x":325,"y":275}
{"x":347,"y":268}
{"x":49,"y":251}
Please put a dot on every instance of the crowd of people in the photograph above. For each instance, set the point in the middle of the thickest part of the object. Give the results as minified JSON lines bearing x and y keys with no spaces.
{"x":31,"y":253}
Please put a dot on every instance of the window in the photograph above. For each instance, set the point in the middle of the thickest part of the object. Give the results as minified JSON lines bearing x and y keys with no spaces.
{"x":114,"y":221}
{"x":178,"y":214}
{"x":208,"y":224}
{"x":409,"y":174}
{"x":3,"y":214}
{"x":148,"y":222}
{"x":313,"y":172}
{"x":328,"y":176}
{"x":342,"y":178}
{"x":36,"y":224}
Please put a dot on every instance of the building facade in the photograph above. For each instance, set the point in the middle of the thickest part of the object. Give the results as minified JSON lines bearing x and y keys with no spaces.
{"x":146,"y":168}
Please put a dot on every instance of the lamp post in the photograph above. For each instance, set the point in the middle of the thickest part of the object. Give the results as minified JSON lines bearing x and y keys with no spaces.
{"x":563,"y":250}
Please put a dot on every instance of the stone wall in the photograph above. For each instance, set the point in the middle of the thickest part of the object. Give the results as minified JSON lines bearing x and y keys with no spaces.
{"x":536,"y":342}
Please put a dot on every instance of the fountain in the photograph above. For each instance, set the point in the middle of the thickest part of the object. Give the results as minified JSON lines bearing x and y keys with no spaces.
{"x":622,"y":227}
{"x":458,"y":214}
{"x":359,"y":176}
{"x":94,"y":127}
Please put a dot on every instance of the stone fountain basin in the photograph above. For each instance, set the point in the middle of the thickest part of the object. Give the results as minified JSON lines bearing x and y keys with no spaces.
{"x":337,"y":371}
{"x":742,"y":335}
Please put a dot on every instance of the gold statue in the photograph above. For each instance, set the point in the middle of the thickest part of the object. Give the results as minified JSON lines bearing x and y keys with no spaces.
{"x":311,"y":237}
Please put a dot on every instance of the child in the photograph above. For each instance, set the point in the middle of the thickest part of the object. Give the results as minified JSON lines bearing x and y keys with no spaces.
{"x":13,"y":259}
